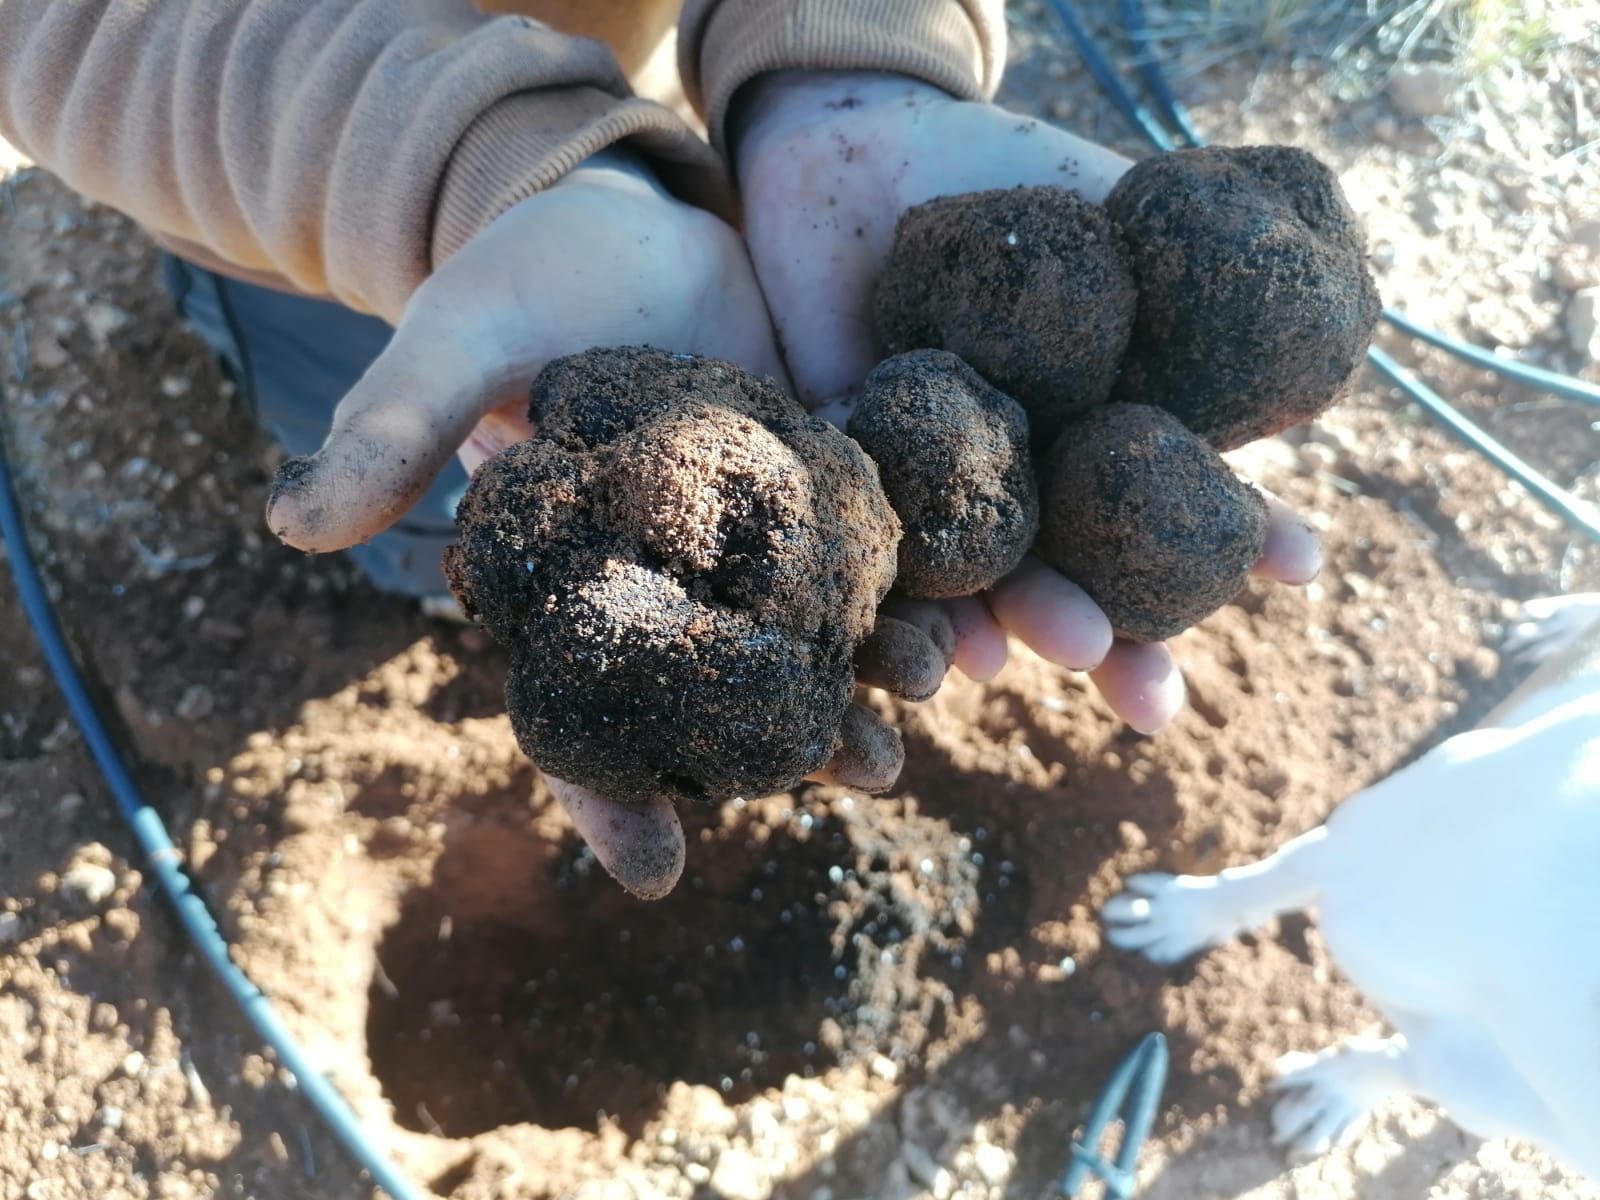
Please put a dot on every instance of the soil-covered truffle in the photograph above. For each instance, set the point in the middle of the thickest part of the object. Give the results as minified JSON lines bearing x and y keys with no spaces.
{"x":1031,"y":286}
{"x":952,"y":453}
{"x":1255,"y":302}
{"x":1148,"y":519}
{"x":681,"y":564}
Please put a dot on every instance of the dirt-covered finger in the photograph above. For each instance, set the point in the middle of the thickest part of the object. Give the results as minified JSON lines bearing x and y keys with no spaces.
{"x":900,"y":658}
{"x":641,"y":846}
{"x":869,"y":756}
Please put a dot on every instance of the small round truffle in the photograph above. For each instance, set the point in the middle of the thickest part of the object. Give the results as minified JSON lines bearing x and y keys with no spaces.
{"x":1031,"y":286}
{"x":681,"y":564}
{"x":1255,"y":302}
{"x":1148,"y":519}
{"x":952,"y":453}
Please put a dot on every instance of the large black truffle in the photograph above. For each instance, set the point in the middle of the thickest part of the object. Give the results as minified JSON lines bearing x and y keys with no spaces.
{"x":1255,"y":302}
{"x":1148,"y":519}
{"x":681,"y":564}
{"x":952,"y":453}
{"x":1031,"y":286}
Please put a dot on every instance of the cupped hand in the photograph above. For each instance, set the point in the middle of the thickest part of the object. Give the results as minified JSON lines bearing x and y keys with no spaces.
{"x":604,"y":258}
{"x":827,"y":163}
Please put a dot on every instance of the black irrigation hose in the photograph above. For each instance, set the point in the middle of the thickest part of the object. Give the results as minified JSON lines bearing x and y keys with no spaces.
{"x":1579,"y":513}
{"x":165,"y":861}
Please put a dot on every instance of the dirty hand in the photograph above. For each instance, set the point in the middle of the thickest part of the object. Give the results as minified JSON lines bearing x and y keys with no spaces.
{"x":827,"y":163}
{"x":604,"y":258}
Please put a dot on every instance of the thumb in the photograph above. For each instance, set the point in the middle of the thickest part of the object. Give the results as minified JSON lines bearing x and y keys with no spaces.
{"x":391,"y":436}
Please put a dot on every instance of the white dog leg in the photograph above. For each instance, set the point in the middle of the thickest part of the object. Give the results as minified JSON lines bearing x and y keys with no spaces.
{"x":1325,"y":1096}
{"x":1169,"y":917}
{"x":1549,"y":625}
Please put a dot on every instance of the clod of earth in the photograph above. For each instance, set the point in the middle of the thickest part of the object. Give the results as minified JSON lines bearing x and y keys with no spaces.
{"x":1255,"y":302}
{"x":952,"y":453}
{"x":1031,"y":286}
{"x":1148,"y":519}
{"x":681,"y":564}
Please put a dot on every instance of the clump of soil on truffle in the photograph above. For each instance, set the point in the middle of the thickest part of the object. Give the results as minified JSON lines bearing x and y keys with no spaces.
{"x":1031,"y":286}
{"x":681,"y":564}
{"x":1255,"y":302}
{"x":952,"y":453}
{"x":1148,"y":519}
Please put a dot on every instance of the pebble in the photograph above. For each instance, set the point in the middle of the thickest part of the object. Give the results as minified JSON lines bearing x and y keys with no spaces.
{"x":111,"y":1117}
{"x":48,"y":354}
{"x":1423,"y":90}
{"x":993,"y":1163}
{"x":885,"y":1068}
{"x":738,"y":1176}
{"x":196,"y":703}
{"x":87,"y":885}
{"x":103,"y":320}
{"x":1583,"y":323}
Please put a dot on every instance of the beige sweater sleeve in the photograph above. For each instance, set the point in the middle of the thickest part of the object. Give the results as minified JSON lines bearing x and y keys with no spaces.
{"x":343,"y":146}
{"x":958,"y":45}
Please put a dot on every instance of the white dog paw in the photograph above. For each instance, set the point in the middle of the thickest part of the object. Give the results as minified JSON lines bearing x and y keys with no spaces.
{"x":1166,"y":918}
{"x":1324,"y":1097}
{"x":1547,"y":626}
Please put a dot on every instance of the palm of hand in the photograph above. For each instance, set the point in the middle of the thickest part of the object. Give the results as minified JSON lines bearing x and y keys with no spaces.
{"x":827,"y":164}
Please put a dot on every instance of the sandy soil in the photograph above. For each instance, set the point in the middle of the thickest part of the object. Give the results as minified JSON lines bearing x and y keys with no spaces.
{"x":847,"y":997}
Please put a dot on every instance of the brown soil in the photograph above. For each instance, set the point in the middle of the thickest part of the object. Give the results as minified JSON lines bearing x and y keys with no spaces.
{"x":1148,"y":519}
{"x":1255,"y":302}
{"x":681,"y":565}
{"x":349,"y":793}
{"x":953,"y":457}
{"x":1031,"y":286}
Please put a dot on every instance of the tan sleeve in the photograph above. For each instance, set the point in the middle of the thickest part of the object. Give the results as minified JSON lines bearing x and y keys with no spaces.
{"x":957,"y":45}
{"x":344,"y":146}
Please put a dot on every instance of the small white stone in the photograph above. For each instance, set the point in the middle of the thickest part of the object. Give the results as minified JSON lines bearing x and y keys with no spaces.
{"x":737,"y":1176}
{"x":993,"y":1163}
{"x":88,"y":885}
{"x":697,"y":1172}
{"x":885,"y":1068}
{"x":111,"y":1117}
{"x":103,"y":320}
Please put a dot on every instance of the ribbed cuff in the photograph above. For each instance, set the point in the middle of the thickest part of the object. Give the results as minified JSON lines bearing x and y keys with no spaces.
{"x":526,"y":142}
{"x":956,"y":45}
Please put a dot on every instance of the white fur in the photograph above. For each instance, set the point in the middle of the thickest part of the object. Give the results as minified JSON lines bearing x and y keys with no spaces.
{"x":1462,"y":895}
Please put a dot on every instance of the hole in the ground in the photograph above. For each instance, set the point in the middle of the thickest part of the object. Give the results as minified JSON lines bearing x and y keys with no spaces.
{"x":791,"y":944}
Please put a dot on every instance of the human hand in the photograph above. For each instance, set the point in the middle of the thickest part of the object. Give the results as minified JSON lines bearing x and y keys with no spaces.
{"x":827,"y":163}
{"x":604,"y":258}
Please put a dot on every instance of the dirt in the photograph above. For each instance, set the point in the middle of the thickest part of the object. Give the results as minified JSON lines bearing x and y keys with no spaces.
{"x":681,"y":565}
{"x":1255,"y":302}
{"x":1031,"y":286}
{"x":1147,"y":518}
{"x":953,"y":456}
{"x":349,"y":793}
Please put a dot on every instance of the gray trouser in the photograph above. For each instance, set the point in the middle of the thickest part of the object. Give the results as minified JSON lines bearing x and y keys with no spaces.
{"x":293,"y":358}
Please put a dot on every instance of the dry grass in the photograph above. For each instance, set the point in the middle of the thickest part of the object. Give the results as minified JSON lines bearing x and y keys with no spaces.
{"x":1474,"y":36}
{"x":1527,"y":71}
